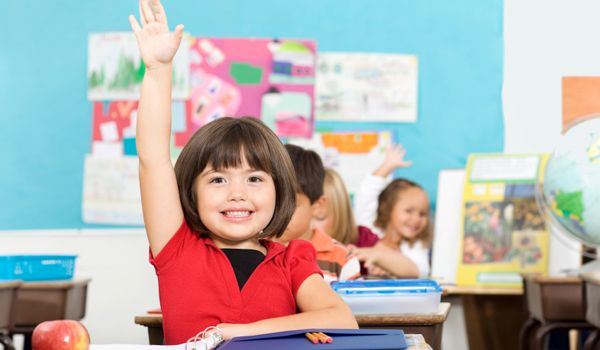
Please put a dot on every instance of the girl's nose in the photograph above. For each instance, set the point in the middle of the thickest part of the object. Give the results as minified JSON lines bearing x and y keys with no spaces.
{"x":237,"y":193}
{"x":237,"y":196}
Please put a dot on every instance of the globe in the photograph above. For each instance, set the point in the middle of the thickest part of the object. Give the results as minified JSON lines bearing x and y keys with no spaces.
{"x":569,"y":194}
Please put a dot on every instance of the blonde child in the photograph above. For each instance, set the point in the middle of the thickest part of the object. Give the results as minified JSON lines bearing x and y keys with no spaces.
{"x":399,"y":213}
{"x":338,"y":221}
{"x":233,"y":185}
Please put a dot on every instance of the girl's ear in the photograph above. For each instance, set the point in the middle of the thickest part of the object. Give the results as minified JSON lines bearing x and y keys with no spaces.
{"x":319,"y":208}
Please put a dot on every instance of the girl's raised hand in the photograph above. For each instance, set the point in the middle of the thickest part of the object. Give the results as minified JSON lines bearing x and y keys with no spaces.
{"x":394,"y":157}
{"x":157,"y":45}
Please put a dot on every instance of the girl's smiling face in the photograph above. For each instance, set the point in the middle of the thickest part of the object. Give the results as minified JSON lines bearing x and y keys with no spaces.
{"x":235,"y":204}
{"x":410,"y":213}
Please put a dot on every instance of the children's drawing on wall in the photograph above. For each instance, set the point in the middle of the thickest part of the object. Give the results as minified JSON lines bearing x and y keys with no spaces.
{"x":111,"y":188}
{"x":503,"y":233}
{"x":111,"y":193}
{"x":269,"y":79}
{"x":366,"y":87}
{"x":343,"y":151}
{"x":115,"y":68}
{"x":113,"y":127}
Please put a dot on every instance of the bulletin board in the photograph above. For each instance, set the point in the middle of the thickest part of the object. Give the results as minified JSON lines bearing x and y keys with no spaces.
{"x":46,"y":119}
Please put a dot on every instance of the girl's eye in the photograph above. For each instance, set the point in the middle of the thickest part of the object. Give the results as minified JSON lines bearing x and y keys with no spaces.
{"x":255,"y":179}
{"x":217,"y":180}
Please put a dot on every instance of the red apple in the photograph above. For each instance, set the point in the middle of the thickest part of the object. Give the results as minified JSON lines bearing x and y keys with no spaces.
{"x":60,"y":335}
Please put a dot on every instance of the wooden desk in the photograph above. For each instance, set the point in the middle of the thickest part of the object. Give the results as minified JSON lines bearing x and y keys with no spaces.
{"x":493,"y":316}
{"x":429,"y":325}
{"x":592,"y":315}
{"x":43,"y":301}
{"x":8,"y":297}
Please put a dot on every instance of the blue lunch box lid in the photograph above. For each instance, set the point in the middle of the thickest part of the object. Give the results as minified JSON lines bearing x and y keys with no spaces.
{"x":406,"y":286}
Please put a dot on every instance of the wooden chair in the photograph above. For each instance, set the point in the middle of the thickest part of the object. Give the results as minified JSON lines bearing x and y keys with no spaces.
{"x":8,"y":297}
{"x":592,"y":315}
{"x":553,"y":303}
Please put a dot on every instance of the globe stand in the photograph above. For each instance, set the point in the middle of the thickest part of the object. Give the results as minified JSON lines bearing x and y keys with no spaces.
{"x":592,"y":266}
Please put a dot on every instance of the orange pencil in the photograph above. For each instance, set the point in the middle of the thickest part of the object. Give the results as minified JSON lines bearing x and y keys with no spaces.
{"x":318,"y":337}
{"x":312,"y":338}
{"x":321,"y":338}
{"x":327,"y":338}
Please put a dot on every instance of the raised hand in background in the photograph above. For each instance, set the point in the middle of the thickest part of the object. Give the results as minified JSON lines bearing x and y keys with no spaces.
{"x":394,"y":158}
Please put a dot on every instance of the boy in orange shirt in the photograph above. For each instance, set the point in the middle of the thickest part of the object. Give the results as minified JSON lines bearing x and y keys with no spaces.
{"x":334,"y":259}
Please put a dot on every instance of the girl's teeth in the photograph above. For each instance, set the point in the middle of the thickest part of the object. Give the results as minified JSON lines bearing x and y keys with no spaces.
{"x":237,"y":213}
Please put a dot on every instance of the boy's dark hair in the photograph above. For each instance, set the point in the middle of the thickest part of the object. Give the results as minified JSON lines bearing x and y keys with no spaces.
{"x":387,"y":200}
{"x":310,"y":172}
{"x":225,"y":143}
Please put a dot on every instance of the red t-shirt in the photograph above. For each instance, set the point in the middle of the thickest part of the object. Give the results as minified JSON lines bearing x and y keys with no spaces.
{"x":198,"y":288}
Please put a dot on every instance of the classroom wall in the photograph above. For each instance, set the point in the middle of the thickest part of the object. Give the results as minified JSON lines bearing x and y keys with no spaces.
{"x":543,"y":41}
{"x":45,"y":127}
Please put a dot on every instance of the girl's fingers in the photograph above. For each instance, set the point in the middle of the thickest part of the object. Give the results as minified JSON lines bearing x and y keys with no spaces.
{"x":142,"y":17}
{"x":135,"y":26}
{"x":148,"y":13}
{"x":159,"y":12}
{"x":178,"y":33}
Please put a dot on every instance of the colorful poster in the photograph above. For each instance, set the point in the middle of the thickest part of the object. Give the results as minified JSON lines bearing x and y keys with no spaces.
{"x":268,"y":79}
{"x":579,"y":98}
{"x":343,"y":151}
{"x":114,"y":123}
{"x":503,"y":232}
{"x":366,"y":87}
{"x":116,"y":69}
{"x":111,"y":187}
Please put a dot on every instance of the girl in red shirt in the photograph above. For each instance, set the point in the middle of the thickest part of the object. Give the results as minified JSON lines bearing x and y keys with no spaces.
{"x":207,"y":218}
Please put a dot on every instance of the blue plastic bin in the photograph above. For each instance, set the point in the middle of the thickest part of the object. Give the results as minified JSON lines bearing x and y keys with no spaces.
{"x":390,"y":296}
{"x":37,"y":267}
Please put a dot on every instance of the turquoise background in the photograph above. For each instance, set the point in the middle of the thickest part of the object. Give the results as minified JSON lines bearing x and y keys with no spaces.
{"x":45,"y":119}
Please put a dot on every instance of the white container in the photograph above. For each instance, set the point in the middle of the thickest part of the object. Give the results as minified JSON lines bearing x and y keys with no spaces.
{"x":390,"y":296}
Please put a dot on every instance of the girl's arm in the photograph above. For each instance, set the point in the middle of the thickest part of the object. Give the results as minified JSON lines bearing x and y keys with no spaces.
{"x":390,"y":260}
{"x":365,"y":201}
{"x":160,"y":197}
{"x":320,"y":307}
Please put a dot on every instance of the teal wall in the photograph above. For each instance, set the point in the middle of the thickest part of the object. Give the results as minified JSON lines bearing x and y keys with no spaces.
{"x":45,"y":118}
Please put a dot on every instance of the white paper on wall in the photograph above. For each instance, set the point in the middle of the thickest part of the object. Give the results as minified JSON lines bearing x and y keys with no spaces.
{"x":111,"y":191}
{"x":366,"y":87}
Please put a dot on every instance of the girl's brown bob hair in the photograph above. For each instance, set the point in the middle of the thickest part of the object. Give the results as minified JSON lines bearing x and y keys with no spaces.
{"x":387,"y":200}
{"x":225,"y":143}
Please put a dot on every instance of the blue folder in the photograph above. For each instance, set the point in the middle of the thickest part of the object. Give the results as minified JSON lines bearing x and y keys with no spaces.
{"x":346,"y":339}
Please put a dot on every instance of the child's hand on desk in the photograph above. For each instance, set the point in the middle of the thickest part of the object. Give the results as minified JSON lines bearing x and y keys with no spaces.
{"x":230,"y":330}
{"x":157,"y":44}
{"x":368,"y":256}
